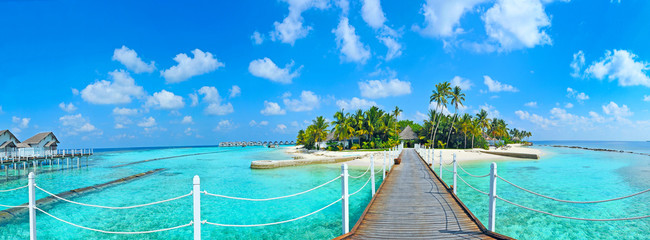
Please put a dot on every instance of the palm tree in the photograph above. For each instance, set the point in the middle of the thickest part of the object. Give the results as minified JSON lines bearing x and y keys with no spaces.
{"x":440,"y":97}
{"x":339,"y":126}
{"x":357,"y":120}
{"x":320,"y":129}
{"x":396,"y":114}
{"x":482,"y":120}
{"x":372,"y":119}
{"x":457,"y":99}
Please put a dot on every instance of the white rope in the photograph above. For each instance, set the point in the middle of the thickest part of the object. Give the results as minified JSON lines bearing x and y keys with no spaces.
{"x":13,"y":189}
{"x":476,"y":176}
{"x":574,"y":218}
{"x":364,"y":185}
{"x":274,"y":198}
{"x":112,"y":232}
{"x":273,"y":223}
{"x":444,"y":168}
{"x":9,"y":206}
{"x":107,"y":207}
{"x":378,"y":171}
{"x":476,"y":189}
{"x":364,"y":173}
{"x":579,"y":202}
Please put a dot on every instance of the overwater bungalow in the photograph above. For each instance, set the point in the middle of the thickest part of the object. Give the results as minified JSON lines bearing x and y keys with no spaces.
{"x":8,"y":144}
{"x":42,"y":144}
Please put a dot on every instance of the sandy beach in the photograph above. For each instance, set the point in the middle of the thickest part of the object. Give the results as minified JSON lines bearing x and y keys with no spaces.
{"x":462,"y":155}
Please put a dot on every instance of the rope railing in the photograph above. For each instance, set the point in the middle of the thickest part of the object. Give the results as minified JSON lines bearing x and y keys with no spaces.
{"x":475,"y":189}
{"x":272,"y":223}
{"x":10,"y":206}
{"x":114,"y":232}
{"x":364,"y":185}
{"x":274,"y":198}
{"x":574,"y":218}
{"x":472,"y":175}
{"x":364,"y":173}
{"x":577,"y":202}
{"x":108,"y":207}
{"x":13,"y":189}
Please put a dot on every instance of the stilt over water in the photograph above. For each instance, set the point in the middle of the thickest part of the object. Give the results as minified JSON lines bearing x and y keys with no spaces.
{"x":413,"y":203}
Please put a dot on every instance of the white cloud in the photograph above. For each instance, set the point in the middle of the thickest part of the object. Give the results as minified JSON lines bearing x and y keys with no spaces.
{"x":215,"y":105}
{"x":463,"y":83}
{"x":372,"y":13}
{"x":65,"y":107}
{"x":580,"y":96}
{"x":496,"y":86}
{"x":384,"y":88}
{"x":352,"y":50}
{"x":225,"y":125}
{"x":344,"y":5}
{"x":394,"y":47}
{"x":355,"y":103}
{"x":281,"y":128}
{"x":22,"y":122}
{"x":621,"y":65}
{"x":75,"y":124}
{"x":534,"y":118}
{"x":291,"y":28}
{"x":577,"y":64}
{"x":125,"y":111}
{"x":119,"y":91}
{"x":187,"y":67}
{"x":235,"y":91}
{"x":442,"y":18}
{"x":517,"y":24}
{"x":257,"y":38}
{"x":307,"y":102}
{"x":264,"y":123}
{"x":491,"y":110}
{"x":265,"y":68}
{"x":165,"y":100}
{"x":531,"y":104}
{"x":195,"y":99}
{"x":187,"y":120}
{"x":119,"y":126}
{"x":147,"y":122}
{"x":568,"y":105}
{"x":614,"y":110}
{"x":645,"y":98}
{"x":271,"y":108}
{"x":129,"y":58}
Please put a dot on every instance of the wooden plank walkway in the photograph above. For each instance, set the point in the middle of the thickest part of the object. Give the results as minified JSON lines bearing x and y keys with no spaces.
{"x":413,"y":204}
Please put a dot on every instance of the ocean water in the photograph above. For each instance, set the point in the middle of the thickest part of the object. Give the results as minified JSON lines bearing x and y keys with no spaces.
{"x":223,"y":171}
{"x":568,"y":174}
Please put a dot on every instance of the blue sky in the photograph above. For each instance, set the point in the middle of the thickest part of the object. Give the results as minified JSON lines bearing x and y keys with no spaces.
{"x":159,"y":73}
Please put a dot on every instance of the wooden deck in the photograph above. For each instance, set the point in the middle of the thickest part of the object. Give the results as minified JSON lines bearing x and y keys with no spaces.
{"x":414,"y":204}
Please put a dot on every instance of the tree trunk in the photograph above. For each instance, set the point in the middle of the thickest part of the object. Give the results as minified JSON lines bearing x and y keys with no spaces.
{"x":472,"y":141}
{"x":434,"y":119}
{"x":451,"y":128}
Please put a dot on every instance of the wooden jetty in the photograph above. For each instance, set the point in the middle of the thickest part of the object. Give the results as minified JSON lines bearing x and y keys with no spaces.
{"x":414,"y":203}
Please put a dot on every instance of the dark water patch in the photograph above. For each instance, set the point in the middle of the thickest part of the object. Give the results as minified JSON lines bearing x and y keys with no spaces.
{"x":531,"y":168}
{"x":170,"y":157}
{"x":586,"y":166}
{"x":8,"y":215}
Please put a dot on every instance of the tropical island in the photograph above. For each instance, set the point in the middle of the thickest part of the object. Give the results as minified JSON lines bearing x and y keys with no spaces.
{"x":379,"y":129}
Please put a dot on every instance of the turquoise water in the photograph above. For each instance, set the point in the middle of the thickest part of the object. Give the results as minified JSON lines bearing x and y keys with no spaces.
{"x":568,"y":174}
{"x":224,"y":171}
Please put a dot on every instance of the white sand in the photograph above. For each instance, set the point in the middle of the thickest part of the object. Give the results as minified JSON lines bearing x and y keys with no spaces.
{"x":462,"y":155}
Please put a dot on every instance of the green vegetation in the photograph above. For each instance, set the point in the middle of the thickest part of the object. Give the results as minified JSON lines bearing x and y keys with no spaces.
{"x":376,"y":128}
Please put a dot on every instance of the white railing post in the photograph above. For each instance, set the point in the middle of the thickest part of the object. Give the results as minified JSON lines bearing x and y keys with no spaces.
{"x":372,"y":173}
{"x":383,"y":176}
{"x":455,"y":174}
{"x":196,"y":194}
{"x":440,"y":164}
{"x":344,"y":202}
{"x":493,"y":199}
{"x":32,"y":207}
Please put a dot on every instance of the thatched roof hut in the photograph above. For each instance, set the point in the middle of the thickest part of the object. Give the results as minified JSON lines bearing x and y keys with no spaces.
{"x":408,"y":134}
